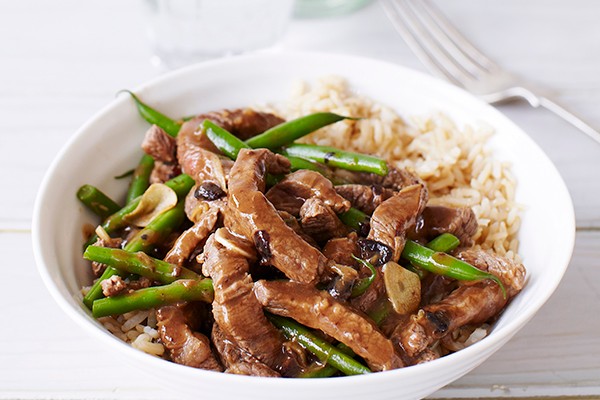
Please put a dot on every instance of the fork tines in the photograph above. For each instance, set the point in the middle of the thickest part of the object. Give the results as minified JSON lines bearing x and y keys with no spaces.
{"x":436,"y":42}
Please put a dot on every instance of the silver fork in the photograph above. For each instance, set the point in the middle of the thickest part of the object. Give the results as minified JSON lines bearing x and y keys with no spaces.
{"x":442,"y":48}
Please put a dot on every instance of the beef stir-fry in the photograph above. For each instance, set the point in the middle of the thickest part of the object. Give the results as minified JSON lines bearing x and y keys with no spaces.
{"x":257,"y":255}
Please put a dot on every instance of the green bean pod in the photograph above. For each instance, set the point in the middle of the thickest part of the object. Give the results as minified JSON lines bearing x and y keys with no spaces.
{"x":156,"y":296}
{"x":155,"y":117}
{"x":323,"y":350}
{"x":444,"y":264}
{"x":155,"y":232}
{"x":140,"y":181}
{"x":139,"y":263}
{"x":334,"y":157}
{"x":226,"y":142}
{"x":286,"y":132}
{"x":355,"y":219}
{"x":445,"y":242}
{"x":361,"y":286}
{"x":98,"y":202}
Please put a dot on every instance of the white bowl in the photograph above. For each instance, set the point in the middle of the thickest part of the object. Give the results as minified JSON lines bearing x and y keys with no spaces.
{"x":114,"y":134}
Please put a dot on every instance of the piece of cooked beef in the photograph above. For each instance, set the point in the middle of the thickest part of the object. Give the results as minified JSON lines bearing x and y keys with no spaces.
{"x":319,"y":310}
{"x":235,"y":307}
{"x":391,"y":220}
{"x":292,"y":191}
{"x":366,"y":198}
{"x":237,"y":360}
{"x":251,"y":215}
{"x":113,"y":286}
{"x":163,"y":172}
{"x":197,"y":155}
{"x":319,"y":221}
{"x":435,"y":220}
{"x":472,"y":303}
{"x":340,"y":250}
{"x":160,"y":145}
{"x":185,"y":245}
{"x":185,"y":346}
{"x":396,"y":179}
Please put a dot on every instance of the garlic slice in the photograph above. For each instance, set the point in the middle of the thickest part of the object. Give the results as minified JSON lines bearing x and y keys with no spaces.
{"x":157,"y":199}
{"x":403,"y":288}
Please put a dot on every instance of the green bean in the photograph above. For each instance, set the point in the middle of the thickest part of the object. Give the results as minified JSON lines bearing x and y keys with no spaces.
{"x":289,"y":131}
{"x":139,"y":263}
{"x":98,"y":202}
{"x":444,"y":264}
{"x":363,"y":284}
{"x":155,"y":232}
{"x":326,"y":370}
{"x":155,"y":117}
{"x":180,"y":184}
{"x":230,"y":145}
{"x":140,"y":179}
{"x":445,"y":242}
{"x":320,"y":348}
{"x":355,"y":219}
{"x":226,"y":142}
{"x":143,"y":299}
{"x":338,"y":158}
{"x":125,"y":174}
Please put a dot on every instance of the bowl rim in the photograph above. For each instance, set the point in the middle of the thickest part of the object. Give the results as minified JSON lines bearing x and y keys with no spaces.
{"x":500,"y":336}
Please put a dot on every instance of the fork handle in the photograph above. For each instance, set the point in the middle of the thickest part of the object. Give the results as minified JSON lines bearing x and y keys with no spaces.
{"x":568,"y":116}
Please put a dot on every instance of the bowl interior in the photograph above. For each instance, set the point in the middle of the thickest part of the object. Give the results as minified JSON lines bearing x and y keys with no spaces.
{"x":109,"y":144}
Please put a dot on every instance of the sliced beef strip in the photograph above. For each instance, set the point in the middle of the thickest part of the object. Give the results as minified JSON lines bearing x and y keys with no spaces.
{"x":340,"y":250}
{"x":163,"y":149}
{"x":197,"y":155}
{"x":235,"y":359}
{"x":319,"y":310}
{"x":391,"y":220}
{"x":291,"y":192}
{"x":396,"y":179}
{"x":185,"y":346}
{"x":366,"y":198}
{"x":163,"y":172}
{"x":160,"y":145}
{"x":235,"y":308}
{"x":192,"y":238}
{"x":251,"y":215}
{"x":319,"y":221}
{"x":435,"y":220}
{"x":472,"y":303}
{"x":293,"y":223}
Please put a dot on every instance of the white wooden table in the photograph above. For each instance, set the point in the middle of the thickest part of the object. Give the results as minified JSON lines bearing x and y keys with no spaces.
{"x":62,"y":61}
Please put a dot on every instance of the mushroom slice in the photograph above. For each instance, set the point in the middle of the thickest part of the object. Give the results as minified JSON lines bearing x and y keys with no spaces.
{"x":157,"y":199}
{"x":403,"y":288}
